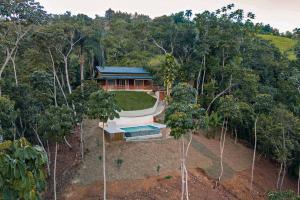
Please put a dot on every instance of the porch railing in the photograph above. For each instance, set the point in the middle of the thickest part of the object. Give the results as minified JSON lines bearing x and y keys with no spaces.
{"x":127,"y":87}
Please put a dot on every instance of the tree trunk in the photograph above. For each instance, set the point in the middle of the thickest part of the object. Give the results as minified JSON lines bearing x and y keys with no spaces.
{"x":254,"y":154}
{"x":182,"y":169}
{"x":223,"y":63}
{"x":203,"y":79}
{"x":49,"y":159}
{"x":8,"y":55}
{"x":285,"y":159}
{"x":278,"y":177}
{"x":298,"y":180}
{"x":43,"y":147}
{"x":103,"y":163}
{"x":102,"y":58}
{"x":56,"y":77}
{"x":93,"y":67}
{"x":186,"y":171}
{"x":81,"y":69}
{"x":67,"y":74}
{"x":22,"y":127}
{"x":62,"y":80}
{"x":14,"y":130}
{"x":14,"y":67}
{"x":66,"y":141}
{"x":222,"y":145}
{"x":197,"y":85}
{"x":230,"y":83}
{"x":218,"y":95}
{"x":283,"y":175}
{"x":186,"y":183}
{"x":66,"y":56}
{"x":9,"y":52}
{"x":54,"y":90}
{"x":81,"y":140}
{"x":54,"y":171}
{"x":236,"y":136}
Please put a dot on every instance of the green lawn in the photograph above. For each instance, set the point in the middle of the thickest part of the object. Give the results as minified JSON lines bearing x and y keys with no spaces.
{"x":286,"y":45}
{"x":133,"y":100}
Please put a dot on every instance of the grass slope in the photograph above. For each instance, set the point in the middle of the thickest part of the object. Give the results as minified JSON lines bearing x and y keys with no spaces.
{"x":285,"y":45}
{"x":133,"y":100}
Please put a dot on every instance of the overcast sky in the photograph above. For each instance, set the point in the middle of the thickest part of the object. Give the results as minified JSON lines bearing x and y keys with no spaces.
{"x":281,"y":14}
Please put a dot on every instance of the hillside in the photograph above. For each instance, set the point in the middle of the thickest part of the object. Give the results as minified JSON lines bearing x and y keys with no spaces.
{"x":285,"y":45}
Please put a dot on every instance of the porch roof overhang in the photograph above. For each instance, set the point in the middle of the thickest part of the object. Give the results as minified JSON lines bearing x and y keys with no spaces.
{"x":103,"y":77}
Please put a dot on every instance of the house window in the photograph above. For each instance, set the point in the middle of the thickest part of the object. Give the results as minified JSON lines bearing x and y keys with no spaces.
{"x":122,"y":82}
{"x":111,"y":82}
{"x":139,"y":82}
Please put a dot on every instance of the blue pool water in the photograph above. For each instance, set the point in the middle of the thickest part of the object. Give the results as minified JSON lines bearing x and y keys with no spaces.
{"x":140,"y":131}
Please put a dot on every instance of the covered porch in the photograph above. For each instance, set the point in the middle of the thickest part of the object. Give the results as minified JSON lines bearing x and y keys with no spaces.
{"x":126,"y":84}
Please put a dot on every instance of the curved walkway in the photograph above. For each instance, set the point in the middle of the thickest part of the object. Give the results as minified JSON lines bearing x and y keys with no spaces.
{"x":155,"y":110}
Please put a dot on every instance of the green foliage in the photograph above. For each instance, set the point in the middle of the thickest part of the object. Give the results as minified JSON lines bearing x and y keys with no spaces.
{"x":56,"y":122}
{"x":285,"y":195}
{"x":158,"y":169}
{"x":275,"y":129}
{"x":80,"y":97}
{"x":119,"y":162}
{"x":22,"y":170}
{"x":102,"y":105}
{"x":169,"y":71}
{"x":7,"y":118}
{"x":41,"y":80}
{"x":213,"y":121}
{"x":22,"y":10}
{"x":263,"y":103}
{"x":229,"y":107}
{"x":223,"y":48}
{"x":181,"y":113}
{"x":183,"y":93}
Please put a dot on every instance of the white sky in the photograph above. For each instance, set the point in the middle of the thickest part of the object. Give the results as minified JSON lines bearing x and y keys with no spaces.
{"x":281,"y":14}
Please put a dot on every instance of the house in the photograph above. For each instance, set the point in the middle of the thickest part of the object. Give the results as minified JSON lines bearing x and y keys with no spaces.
{"x":124,"y":78}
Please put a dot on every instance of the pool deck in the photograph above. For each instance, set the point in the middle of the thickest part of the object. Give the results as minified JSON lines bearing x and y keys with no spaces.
{"x":117,"y":129}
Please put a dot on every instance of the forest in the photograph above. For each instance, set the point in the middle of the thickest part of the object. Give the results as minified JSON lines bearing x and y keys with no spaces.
{"x":217,"y":71}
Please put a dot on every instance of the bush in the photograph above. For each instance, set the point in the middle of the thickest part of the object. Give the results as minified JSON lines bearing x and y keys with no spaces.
{"x":284,"y":195}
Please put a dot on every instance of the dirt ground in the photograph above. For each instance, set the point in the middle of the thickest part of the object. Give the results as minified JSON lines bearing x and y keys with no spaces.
{"x":68,"y":162}
{"x":161,"y":187}
{"x":150,"y":170}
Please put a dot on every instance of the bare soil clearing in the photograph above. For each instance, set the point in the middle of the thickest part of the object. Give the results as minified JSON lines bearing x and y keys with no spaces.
{"x":138,"y":177}
{"x":139,"y":159}
{"x":152,"y":188}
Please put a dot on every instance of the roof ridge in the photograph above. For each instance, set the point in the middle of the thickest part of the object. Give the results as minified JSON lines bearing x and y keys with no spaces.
{"x":121,"y":69}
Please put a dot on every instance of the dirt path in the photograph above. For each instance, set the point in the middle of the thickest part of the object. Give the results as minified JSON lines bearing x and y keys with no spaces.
{"x":214,"y":169}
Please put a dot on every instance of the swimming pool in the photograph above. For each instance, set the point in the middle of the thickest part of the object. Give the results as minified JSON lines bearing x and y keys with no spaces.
{"x":135,"y":131}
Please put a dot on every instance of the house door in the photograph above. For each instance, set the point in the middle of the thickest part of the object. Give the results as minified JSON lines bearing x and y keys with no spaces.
{"x":121,"y":83}
{"x":131,"y":83}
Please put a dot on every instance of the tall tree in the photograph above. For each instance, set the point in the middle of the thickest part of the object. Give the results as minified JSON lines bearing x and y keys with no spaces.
{"x":17,"y":20}
{"x":263,"y":104}
{"x":180,"y":117}
{"x":55,"y":124}
{"x":103,"y":106}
